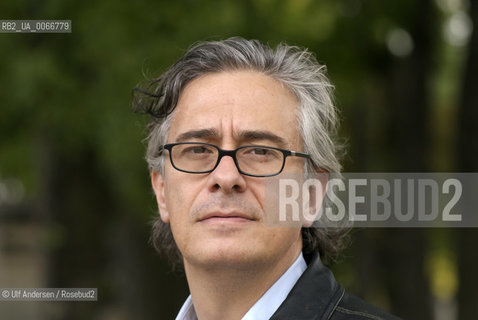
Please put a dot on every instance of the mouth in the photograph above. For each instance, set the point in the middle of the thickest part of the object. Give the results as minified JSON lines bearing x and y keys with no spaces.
{"x":221,"y":217}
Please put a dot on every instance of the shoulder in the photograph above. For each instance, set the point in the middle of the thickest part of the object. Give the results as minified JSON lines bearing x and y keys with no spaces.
{"x":351,"y":307}
{"x":317,"y":295}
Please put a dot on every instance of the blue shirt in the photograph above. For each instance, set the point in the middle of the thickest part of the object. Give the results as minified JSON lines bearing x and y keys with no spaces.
{"x":265,"y":307}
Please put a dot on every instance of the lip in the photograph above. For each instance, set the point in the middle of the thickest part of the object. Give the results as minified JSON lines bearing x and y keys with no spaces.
{"x":222,"y":217}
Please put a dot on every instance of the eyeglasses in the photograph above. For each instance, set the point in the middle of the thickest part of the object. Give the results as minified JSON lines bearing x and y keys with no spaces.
{"x":255,"y":161}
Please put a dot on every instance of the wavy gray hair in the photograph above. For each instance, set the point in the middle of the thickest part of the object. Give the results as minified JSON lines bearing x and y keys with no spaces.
{"x":297,"y":69}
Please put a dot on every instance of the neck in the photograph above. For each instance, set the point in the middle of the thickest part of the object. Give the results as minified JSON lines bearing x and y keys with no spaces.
{"x":228,"y":292}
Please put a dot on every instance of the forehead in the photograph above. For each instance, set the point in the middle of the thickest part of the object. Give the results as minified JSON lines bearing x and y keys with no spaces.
{"x":229,"y":103}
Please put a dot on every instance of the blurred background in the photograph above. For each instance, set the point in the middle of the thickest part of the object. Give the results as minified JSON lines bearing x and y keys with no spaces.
{"x":75,"y":198}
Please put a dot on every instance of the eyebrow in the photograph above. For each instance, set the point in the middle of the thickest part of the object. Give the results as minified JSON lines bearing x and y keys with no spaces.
{"x":198,"y":134}
{"x":252,"y":135}
{"x":244,"y":135}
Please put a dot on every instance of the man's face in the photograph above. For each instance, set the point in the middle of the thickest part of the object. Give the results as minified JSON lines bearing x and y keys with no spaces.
{"x":217,"y":218}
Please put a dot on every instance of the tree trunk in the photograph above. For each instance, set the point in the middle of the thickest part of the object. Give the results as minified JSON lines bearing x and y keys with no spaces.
{"x":405,"y":248}
{"x":467,"y":152}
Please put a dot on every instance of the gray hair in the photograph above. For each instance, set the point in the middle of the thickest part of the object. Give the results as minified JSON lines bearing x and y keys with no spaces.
{"x":292,"y":66}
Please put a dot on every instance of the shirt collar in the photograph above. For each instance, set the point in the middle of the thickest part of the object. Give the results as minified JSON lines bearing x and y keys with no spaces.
{"x":265,"y":307}
{"x":187,"y":311}
{"x":315,"y":295}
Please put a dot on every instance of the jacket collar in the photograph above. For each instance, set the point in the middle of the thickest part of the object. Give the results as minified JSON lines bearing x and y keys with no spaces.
{"x":315,"y":295}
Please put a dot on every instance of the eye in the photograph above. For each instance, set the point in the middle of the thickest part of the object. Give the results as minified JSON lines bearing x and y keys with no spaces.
{"x":260,"y":151}
{"x":197,"y":150}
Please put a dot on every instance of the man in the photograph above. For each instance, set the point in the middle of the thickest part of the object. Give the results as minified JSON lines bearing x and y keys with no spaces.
{"x":225,"y":117}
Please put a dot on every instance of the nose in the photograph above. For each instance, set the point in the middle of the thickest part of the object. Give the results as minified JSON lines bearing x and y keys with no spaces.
{"x":226,"y":177}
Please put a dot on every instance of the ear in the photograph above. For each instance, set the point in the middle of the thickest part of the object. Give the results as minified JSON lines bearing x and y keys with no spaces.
{"x":317,"y":188}
{"x":159,"y":189}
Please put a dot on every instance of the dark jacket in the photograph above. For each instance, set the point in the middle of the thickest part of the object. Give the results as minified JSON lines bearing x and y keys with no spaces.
{"x":317,"y":296}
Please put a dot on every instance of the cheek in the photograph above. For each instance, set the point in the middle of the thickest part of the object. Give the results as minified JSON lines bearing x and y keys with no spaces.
{"x":177,"y":201}
{"x":258,"y":190}
{"x":180,"y":196}
{"x":177,"y":204}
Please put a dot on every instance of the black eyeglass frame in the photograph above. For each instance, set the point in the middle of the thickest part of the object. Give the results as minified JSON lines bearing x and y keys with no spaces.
{"x":232,"y":154}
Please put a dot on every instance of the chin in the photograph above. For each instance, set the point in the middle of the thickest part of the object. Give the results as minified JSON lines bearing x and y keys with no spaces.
{"x":226,"y":256}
